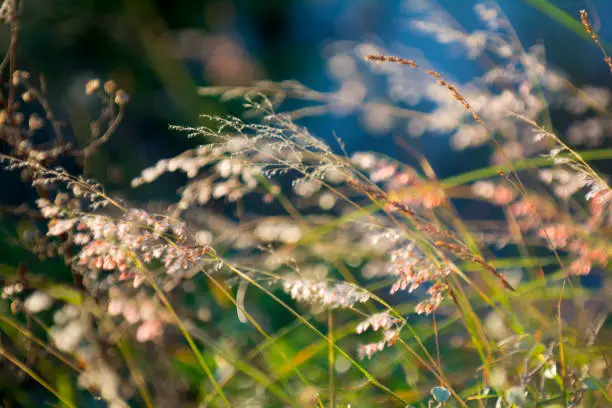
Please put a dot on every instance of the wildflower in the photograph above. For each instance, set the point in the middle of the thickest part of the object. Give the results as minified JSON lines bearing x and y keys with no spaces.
{"x":469,"y":136}
{"x":580,"y":266}
{"x":489,"y":15}
{"x":278,"y":231}
{"x":7,"y":11}
{"x":121,"y":98}
{"x":18,"y":118}
{"x":402,"y":179}
{"x":149,"y":330}
{"x":48,"y":209}
{"x":558,"y":235}
{"x":496,"y":326}
{"x":59,"y":227}
{"x":377,"y":321}
{"x":598,"y":190}
{"x":327,"y":201}
{"x":37,"y":302}
{"x":99,"y":376}
{"x":27,"y":96}
{"x":384,"y":171}
{"x":12,"y":290}
{"x":378,"y":118}
{"x":35,"y":122}
{"x":68,"y":337}
{"x":306,"y":188}
{"x":110,"y":87}
{"x":115,"y":307}
{"x":368,"y":350}
{"x":484,"y":189}
{"x":131,"y":313}
{"x":429,"y":305}
{"x":364,"y":161}
{"x":502,"y":195}
{"x":433,"y":197}
{"x":597,"y":255}
{"x":92,"y":86}
{"x":20,"y":77}
{"x":340,"y":295}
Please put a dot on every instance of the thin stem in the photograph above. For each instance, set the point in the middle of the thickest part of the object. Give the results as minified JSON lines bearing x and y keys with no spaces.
{"x":23,"y":367}
{"x":330,"y":357}
{"x":185,"y":333}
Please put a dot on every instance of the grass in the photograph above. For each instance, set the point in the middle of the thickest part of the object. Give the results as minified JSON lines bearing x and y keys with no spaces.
{"x":358,"y":282}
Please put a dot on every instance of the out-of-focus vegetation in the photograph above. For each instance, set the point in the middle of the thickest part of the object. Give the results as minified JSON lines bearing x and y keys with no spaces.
{"x":409,"y":223}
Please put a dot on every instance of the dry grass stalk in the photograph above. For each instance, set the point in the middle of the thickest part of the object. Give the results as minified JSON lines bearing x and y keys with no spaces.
{"x":586,"y":22}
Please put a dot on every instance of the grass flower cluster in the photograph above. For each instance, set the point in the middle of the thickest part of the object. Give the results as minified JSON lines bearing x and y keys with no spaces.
{"x":328,"y":279}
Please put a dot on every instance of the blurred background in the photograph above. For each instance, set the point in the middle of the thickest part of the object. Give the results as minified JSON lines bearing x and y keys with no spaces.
{"x":162,"y":51}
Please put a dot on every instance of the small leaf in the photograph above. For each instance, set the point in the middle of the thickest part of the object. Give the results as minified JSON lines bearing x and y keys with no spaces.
{"x":65,"y":293}
{"x":550,"y":371}
{"x":7,"y":271}
{"x":591,"y":383}
{"x":440,"y":394}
